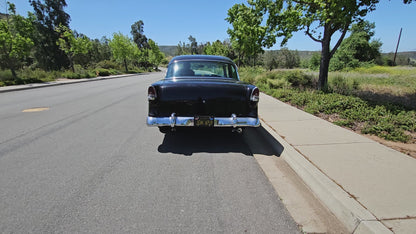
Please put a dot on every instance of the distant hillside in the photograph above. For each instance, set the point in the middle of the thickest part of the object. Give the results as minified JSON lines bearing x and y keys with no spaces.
{"x":168,"y":50}
{"x":304,"y":55}
{"x":407,"y":54}
{"x":3,"y":16}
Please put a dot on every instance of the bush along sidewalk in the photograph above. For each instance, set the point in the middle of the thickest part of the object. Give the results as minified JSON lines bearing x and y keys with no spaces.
{"x":389,"y":121}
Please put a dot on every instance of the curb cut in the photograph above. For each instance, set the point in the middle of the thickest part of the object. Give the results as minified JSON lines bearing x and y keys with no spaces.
{"x":13,"y":88}
{"x":350,"y":212}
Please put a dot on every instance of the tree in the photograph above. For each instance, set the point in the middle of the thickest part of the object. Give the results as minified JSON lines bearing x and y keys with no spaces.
{"x":319,"y":19}
{"x":72,"y":45}
{"x":357,"y":48}
{"x":48,"y":16}
{"x":99,"y":51}
{"x":270,"y":59}
{"x":137,"y":31}
{"x":217,"y":48}
{"x":247,"y":35}
{"x":123,"y":48}
{"x":15,"y":41}
{"x":291,"y":58}
{"x":155,"y":55}
{"x":193,"y":45}
{"x":190,"y":48}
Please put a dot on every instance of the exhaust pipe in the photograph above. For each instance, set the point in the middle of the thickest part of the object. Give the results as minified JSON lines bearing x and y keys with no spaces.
{"x":237,"y":130}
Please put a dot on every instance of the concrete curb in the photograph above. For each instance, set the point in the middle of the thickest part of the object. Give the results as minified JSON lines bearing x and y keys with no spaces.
{"x":350,"y":212}
{"x":57,"y":83}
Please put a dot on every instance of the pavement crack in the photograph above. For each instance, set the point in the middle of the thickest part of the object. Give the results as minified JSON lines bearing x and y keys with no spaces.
{"x":335,"y":143}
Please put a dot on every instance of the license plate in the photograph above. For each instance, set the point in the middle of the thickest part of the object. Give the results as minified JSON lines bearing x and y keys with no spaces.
{"x":204,"y":121}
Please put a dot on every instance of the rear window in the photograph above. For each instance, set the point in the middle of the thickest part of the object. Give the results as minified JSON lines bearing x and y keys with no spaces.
{"x":202,"y":69}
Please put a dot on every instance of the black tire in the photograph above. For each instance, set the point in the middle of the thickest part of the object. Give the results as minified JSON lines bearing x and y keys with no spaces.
{"x":164,"y":129}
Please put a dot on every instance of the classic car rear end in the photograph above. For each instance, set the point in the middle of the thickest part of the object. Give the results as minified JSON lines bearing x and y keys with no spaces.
{"x":202,"y":91}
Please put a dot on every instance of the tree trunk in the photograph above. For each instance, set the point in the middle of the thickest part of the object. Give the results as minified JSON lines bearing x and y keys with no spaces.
{"x":13,"y":72}
{"x":71,"y":64}
{"x":125,"y":65}
{"x":325,"y":57}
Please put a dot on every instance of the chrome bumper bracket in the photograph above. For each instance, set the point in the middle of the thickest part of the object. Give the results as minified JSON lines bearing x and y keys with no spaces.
{"x":178,"y":121}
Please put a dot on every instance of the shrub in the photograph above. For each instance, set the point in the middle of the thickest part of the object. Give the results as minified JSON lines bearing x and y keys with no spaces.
{"x":108,"y":64}
{"x":277,"y":83}
{"x":103,"y":72}
{"x":315,"y":61}
{"x":71,"y":75}
{"x":6,"y":77}
{"x":298,"y":78}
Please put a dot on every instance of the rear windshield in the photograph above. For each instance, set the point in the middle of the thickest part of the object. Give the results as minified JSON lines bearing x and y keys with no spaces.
{"x":202,"y":69}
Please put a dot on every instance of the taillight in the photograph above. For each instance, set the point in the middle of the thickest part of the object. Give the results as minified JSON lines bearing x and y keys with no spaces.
{"x":151,"y":93}
{"x":255,"y":95}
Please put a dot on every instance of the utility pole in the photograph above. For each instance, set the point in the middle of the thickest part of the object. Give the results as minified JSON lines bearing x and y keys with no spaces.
{"x":397,"y":47}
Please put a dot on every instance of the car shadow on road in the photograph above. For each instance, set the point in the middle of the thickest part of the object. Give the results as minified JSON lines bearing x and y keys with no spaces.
{"x":193,"y":140}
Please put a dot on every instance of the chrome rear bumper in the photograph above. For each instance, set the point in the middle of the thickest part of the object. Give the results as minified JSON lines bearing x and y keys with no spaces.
{"x":178,"y":121}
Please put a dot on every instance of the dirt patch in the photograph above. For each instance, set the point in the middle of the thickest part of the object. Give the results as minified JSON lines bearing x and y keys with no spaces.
{"x":406,"y":148}
{"x":62,"y":79}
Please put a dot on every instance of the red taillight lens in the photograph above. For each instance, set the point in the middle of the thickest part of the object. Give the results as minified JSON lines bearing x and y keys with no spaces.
{"x":151,"y":93}
{"x":255,"y":95}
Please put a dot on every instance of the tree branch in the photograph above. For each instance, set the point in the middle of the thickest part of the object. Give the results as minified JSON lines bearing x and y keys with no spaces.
{"x":339,"y":40}
{"x":309,"y":3}
{"x":311,"y":36}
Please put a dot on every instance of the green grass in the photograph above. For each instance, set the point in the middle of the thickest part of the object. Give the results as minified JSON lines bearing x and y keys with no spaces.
{"x":345,"y":103}
{"x":27,"y":75}
{"x":393,"y":80}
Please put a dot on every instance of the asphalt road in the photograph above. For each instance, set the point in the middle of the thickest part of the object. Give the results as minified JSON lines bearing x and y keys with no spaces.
{"x":79,"y":158}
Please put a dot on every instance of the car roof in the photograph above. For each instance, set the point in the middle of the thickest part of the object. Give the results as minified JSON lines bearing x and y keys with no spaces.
{"x":201,"y":57}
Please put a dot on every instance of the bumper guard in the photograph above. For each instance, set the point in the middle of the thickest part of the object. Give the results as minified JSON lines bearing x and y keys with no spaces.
{"x":178,"y":121}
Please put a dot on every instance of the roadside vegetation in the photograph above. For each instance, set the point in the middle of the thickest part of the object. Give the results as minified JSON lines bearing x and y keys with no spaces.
{"x":349,"y":82}
{"x":379,"y":100}
{"x":41,"y":47}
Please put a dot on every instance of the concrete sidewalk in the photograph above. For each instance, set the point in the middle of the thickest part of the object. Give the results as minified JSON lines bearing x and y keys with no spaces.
{"x":369,"y":187}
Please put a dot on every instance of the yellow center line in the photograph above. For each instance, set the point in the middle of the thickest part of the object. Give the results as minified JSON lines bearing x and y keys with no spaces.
{"x":37,"y":109}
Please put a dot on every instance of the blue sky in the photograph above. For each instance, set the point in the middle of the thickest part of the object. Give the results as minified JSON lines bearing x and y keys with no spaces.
{"x":169,"y":21}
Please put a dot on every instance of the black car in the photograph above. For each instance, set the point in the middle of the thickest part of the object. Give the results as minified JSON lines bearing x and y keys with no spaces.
{"x":202,"y":91}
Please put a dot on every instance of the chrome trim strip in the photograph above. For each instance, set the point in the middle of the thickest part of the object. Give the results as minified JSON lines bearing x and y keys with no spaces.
{"x":233,"y":121}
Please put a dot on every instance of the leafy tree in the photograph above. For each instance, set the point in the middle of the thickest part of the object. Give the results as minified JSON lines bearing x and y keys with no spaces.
{"x":189,"y":48}
{"x":314,"y":61}
{"x":271,"y":60}
{"x":357,"y":48}
{"x":123,"y":49}
{"x":155,"y":55}
{"x":193,"y":45}
{"x":291,"y":58}
{"x":217,"y":48}
{"x":182,"y":49}
{"x":72,"y":45}
{"x":49,"y":14}
{"x":15,"y":41}
{"x":99,"y":51}
{"x":137,"y":31}
{"x":247,"y":34}
{"x":319,"y":19}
